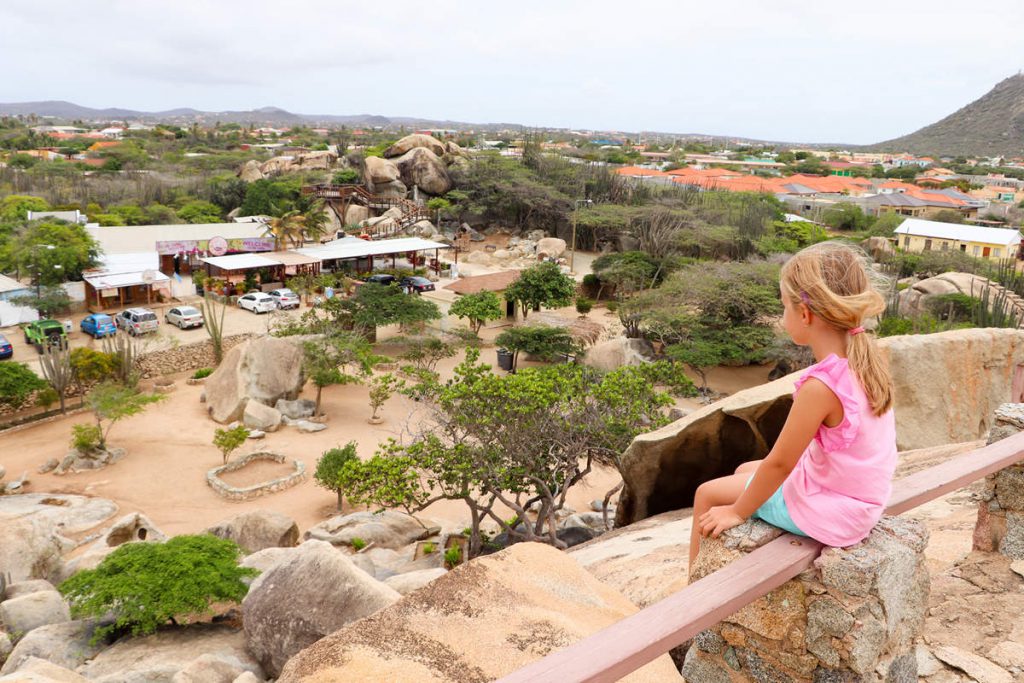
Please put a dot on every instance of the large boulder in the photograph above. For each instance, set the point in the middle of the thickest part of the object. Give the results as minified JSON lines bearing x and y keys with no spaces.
{"x":320,"y":160}
{"x":947,"y":386}
{"x":264,"y":369}
{"x":379,"y":171}
{"x":479,"y":622}
{"x":387,"y":529}
{"x":26,"y":612}
{"x":618,"y":352}
{"x":416,"y":141}
{"x":551,"y":246}
{"x":396,"y":189}
{"x":69,"y":514}
{"x":250,"y":171}
{"x":425,"y":170}
{"x":68,"y":644}
{"x":413,"y":581}
{"x":262,"y":417}
{"x":356,"y":214}
{"x":315,"y":591}
{"x":133,"y":527}
{"x":258,"y":529}
{"x":31,"y":549}
{"x":35,"y":670}
{"x":277,"y":165}
{"x":159,"y":657}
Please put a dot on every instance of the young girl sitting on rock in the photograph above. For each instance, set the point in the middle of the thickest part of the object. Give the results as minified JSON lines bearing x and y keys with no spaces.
{"x":829,"y":474}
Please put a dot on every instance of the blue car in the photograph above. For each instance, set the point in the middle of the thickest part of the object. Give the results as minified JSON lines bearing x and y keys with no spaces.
{"x":6,"y":350}
{"x":98,"y":325}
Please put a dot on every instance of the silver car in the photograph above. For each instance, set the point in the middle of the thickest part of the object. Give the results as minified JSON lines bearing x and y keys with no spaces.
{"x":257,"y":302}
{"x":285,"y":298}
{"x":137,"y":321}
{"x":184,"y":317}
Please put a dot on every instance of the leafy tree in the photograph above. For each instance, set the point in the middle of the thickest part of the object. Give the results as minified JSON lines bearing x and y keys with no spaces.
{"x":50,"y":301}
{"x":330,"y":467}
{"x":346,"y":176}
{"x":627,"y":271}
{"x":89,"y":365}
{"x":375,"y":305}
{"x":199,"y":211}
{"x":17,"y":384}
{"x":846,"y":216}
{"x":111,"y":403}
{"x":541,"y":341}
{"x":510,"y":440}
{"x":478,"y":308}
{"x":268,"y":197}
{"x":129,"y":214}
{"x":227,"y":191}
{"x":74,"y":250}
{"x":424,"y":353}
{"x":15,"y":207}
{"x":541,"y":285}
{"x":229,"y":440}
{"x":340,"y":358}
{"x":886,"y":224}
{"x":145,"y":585}
{"x":381,"y":389}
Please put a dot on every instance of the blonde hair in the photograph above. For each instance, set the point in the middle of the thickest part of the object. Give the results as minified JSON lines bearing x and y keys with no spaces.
{"x":832,"y":280}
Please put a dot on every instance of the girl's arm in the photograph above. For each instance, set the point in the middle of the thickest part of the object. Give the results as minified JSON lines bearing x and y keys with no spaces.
{"x":813,"y":403}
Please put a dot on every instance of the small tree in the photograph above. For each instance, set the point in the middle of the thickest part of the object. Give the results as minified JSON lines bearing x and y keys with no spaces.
{"x":541,"y":285}
{"x":111,"y":403}
{"x":17,"y":384}
{"x":699,"y":355}
{"x":50,"y":301}
{"x":229,"y":440}
{"x":330,"y":466}
{"x":145,"y":585}
{"x":424,"y":353}
{"x":478,"y":308}
{"x":546,"y":343}
{"x":381,"y":389}
{"x":341,"y":358}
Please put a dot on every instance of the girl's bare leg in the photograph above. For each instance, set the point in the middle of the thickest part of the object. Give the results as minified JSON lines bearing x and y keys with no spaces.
{"x":722,"y":491}
{"x":748,"y":467}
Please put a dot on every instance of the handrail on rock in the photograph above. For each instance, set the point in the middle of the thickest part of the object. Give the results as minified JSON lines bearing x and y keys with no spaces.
{"x":629,"y":644}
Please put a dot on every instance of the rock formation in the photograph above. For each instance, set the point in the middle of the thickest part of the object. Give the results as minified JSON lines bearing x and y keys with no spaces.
{"x":477,"y":623}
{"x":264,"y":370}
{"x":424,"y":169}
{"x":416,"y":141}
{"x":257,"y":530}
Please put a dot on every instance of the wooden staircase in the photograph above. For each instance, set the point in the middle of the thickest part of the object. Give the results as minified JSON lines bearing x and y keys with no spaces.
{"x":339,"y":197}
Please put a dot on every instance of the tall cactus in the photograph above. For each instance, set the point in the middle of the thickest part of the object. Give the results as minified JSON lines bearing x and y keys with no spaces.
{"x":56,"y":366}
{"x":125,"y":349}
{"x":214,"y":315}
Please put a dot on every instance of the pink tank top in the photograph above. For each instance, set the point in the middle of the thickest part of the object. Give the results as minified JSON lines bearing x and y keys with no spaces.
{"x":841,"y":484}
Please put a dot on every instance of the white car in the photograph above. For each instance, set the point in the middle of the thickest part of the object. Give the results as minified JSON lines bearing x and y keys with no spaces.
{"x":285,"y":298}
{"x":257,"y":302}
{"x":184,"y":317}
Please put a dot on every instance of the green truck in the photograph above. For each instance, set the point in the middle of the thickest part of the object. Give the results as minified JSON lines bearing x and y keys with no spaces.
{"x":43,"y":333}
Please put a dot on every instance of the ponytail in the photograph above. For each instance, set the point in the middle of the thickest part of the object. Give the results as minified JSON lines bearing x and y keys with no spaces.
{"x":832,"y":280}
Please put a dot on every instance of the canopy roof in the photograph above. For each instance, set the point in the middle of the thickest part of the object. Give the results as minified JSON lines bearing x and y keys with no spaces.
{"x":348,"y":248}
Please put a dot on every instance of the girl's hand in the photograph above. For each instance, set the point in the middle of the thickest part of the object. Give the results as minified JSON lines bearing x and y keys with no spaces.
{"x":719,"y":519}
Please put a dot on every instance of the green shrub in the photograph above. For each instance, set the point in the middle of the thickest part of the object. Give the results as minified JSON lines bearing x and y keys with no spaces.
{"x":46,"y":398}
{"x":583,"y":305}
{"x":85,"y":438}
{"x":357,"y":543}
{"x":429,"y":548}
{"x":145,"y":585}
{"x":955,"y":306}
{"x":17,"y":383}
{"x":613,"y":306}
{"x":452,"y":556}
{"x":202,"y":372}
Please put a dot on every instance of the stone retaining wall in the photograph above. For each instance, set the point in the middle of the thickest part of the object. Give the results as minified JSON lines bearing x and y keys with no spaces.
{"x":257,"y":490}
{"x":187,"y":357}
{"x":853,"y":616}
{"x":1000,"y":526}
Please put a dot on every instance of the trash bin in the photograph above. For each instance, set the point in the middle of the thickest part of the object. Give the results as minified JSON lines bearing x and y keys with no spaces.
{"x":505,"y":360}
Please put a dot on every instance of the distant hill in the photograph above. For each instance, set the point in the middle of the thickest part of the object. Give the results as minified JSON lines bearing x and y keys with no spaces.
{"x":992,"y":125}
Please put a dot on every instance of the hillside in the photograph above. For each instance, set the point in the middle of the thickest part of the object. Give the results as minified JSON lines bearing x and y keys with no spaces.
{"x":992,"y":125}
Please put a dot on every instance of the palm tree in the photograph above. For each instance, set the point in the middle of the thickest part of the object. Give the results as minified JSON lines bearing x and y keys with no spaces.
{"x":287,"y":226}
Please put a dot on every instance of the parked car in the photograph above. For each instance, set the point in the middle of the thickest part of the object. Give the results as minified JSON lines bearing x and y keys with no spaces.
{"x":6,"y":350}
{"x":381,"y":279}
{"x":417,"y":284}
{"x":257,"y":302}
{"x":184,"y":317}
{"x":43,"y":333}
{"x":285,"y":298}
{"x":136,"y":321}
{"x":98,"y":325}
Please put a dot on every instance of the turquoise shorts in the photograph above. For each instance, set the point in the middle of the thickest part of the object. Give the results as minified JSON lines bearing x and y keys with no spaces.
{"x":775,"y":513}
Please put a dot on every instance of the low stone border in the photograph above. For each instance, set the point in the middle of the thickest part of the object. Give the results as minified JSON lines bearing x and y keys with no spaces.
{"x":257,"y":490}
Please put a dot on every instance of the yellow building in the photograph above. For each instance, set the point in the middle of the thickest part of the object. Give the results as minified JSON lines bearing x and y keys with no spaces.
{"x":995,"y":244}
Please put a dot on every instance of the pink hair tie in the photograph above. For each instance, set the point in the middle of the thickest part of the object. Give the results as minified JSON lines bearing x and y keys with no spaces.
{"x":855,"y":330}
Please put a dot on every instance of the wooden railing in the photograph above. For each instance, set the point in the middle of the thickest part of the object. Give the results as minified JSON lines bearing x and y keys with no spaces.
{"x":411,"y":211}
{"x":627,"y":645}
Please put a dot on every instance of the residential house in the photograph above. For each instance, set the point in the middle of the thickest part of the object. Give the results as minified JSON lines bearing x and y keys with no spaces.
{"x":995,"y":244}
{"x":10,"y":313}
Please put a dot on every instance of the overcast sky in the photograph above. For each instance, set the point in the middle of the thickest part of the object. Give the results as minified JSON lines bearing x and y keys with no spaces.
{"x":791,"y":70}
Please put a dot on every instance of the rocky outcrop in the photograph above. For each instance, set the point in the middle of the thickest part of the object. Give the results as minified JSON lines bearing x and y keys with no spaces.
{"x":35,"y":670}
{"x":133,"y":527}
{"x":356,"y":214}
{"x":31,"y":549}
{"x":67,"y":644}
{"x":413,"y":581}
{"x":947,"y":386}
{"x":552,"y":247}
{"x":26,"y":612}
{"x":619,"y":352}
{"x":918,"y":297}
{"x":258,"y":530}
{"x":425,"y":170}
{"x":485,"y":619}
{"x":315,"y":591}
{"x":416,"y":141}
{"x":379,"y":171}
{"x":264,"y":370}
{"x":387,"y":529}
{"x":250,"y":171}
{"x":320,"y":160}
{"x":161,"y":656}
